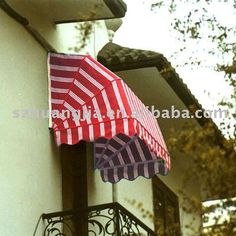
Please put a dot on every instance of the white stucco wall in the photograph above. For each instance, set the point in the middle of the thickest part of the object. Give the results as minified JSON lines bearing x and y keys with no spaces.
{"x":139,"y":190}
{"x":97,"y":38}
{"x":62,"y":37}
{"x":30,"y":176}
{"x":98,"y":191}
{"x":30,"y":168}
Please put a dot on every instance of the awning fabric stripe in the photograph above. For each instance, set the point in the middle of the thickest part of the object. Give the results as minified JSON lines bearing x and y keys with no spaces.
{"x":82,"y":87}
{"x":125,"y":157}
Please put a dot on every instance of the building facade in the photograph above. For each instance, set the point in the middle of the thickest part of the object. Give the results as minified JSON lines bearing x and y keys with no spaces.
{"x":37,"y":176}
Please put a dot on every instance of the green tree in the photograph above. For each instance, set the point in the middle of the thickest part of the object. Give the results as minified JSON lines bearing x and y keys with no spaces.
{"x":195,"y":21}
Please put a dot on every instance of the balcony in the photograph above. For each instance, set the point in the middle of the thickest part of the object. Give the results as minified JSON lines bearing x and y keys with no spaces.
{"x":107,"y":219}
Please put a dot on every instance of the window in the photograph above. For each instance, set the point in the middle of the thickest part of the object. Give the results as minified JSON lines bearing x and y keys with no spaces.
{"x":166,"y":209}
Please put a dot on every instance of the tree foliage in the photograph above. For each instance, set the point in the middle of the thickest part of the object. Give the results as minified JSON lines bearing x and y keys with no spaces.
{"x":207,"y":31}
{"x":213,"y":153}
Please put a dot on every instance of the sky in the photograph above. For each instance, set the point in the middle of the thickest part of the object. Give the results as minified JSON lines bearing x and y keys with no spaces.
{"x":150,"y":30}
{"x":220,"y":215}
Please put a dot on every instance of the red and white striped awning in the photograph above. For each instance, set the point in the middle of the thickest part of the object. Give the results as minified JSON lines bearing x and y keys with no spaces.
{"x":91,"y":103}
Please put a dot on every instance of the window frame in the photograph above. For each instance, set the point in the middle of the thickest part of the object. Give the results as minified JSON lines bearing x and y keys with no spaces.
{"x":168,"y":195}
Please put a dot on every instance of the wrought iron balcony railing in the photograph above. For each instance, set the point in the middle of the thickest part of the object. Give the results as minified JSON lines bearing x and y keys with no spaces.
{"x":107,"y":219}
